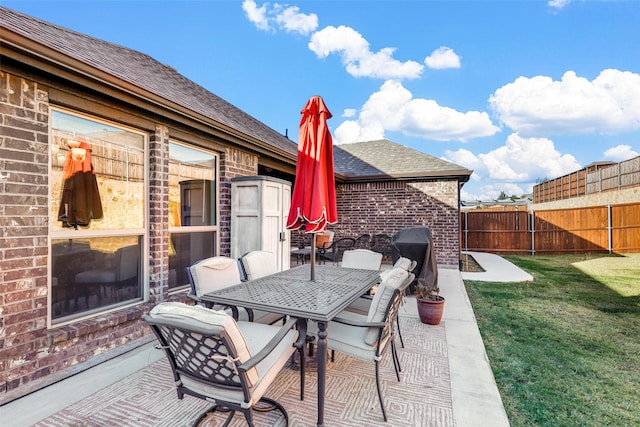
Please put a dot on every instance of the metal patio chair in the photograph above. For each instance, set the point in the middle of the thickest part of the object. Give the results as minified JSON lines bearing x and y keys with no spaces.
{"x":367,"y":336}
{"x":220,"y":272}
{"x":363,"y":241}
{"x":333,"y":252}
{"x":219,"y":360}
{"x":362,"y":304}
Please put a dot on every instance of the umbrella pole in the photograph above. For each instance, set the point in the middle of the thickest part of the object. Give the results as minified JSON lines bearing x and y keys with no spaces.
{"x":313,"y":257}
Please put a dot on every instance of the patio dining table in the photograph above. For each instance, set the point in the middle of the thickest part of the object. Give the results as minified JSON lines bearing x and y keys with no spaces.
{"x":293,"y":293}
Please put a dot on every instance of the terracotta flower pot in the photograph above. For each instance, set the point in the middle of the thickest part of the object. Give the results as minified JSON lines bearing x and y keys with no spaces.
{"x":430,"y":311}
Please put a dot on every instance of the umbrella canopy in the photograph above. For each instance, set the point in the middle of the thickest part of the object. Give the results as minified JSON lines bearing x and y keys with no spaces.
{"x":313,"y":203}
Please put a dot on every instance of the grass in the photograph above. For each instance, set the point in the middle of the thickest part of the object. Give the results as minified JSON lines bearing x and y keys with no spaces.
{"x":565,"y":349}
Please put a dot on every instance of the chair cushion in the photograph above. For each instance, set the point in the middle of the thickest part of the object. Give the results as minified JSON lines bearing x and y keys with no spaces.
{"x":403,"y":263}
{"x":259,"y":264}
{"x":214,"y":273}
{"x":205,"y":321}
{"x":361,"y":258}
{"x":257,"y":336}
{"x":218,"y":263}
{"x":348,"y":339}
{"x":392,"y":281}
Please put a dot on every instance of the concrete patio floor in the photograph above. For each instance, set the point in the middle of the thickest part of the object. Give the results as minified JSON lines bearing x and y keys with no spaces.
{"x":475,"y":399}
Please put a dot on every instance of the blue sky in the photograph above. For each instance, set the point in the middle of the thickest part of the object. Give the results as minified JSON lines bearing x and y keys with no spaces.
{"x":515,"y":90}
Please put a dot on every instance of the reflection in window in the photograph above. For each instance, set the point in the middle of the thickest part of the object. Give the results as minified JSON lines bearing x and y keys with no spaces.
{"x":92,"y":274}
{"x":98,"y":184}
{"x":191,"y":186}
{"x":192,"y":203}
{"x":117,"y":156}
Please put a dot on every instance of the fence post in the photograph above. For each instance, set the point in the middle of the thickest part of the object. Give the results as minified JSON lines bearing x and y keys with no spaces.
{"x":533,"y":239}
{"x":609,"y":229}
{"x":466,"y":232}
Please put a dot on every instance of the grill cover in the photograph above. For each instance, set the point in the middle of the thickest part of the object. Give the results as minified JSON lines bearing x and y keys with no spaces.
{"x":415,"y":243}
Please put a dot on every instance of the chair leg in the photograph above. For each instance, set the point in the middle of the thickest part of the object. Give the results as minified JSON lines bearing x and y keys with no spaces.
{"x":272,"y":405}
{"x":396,"y":360}
{"x":210,"y":410}
{"x":302,"y":371}
{"x":399,"y":331}
{"x":384,"y":413}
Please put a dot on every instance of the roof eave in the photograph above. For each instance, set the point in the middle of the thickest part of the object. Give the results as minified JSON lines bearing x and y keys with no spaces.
{"x":52,"y":61}
{"x":458,"y":175}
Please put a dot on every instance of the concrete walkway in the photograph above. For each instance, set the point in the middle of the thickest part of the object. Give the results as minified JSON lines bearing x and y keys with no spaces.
{"x":497,"y":269}
{"x":475,"y":398}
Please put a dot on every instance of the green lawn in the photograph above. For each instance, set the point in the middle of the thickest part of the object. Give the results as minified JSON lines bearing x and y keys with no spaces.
{"x":565,"y":349}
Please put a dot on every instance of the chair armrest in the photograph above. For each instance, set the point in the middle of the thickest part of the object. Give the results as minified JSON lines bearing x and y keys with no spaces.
{"x":352,"y":322}
{"x":258,"y":357}
{"x":193,"y":297}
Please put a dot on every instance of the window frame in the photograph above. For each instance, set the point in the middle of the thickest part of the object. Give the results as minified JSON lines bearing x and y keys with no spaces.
{"x":188,"y":229}
{"x":72,"y":233}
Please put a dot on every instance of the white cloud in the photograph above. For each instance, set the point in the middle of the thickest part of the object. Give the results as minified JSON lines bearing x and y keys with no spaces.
{"x":287,"y":18}
{"x":357,"y":57}
{"x":515,"y":165}
{"x":349,"y":112}
{"x":620,"y":153}
{"x":610,"y":104}
{"x":393,"y":108}
{"x":257,"y":15}
{"x":442,"y":58}
{"x":466,"y":158}
{"x":558,"y":4}
{"x":293,"y":21}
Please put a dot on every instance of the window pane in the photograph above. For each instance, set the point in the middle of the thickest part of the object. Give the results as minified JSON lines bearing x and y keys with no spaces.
{"x":117,"y":158}
{"x":191,"y":187}
{"x":186,"y":249}
{"x":91,"y":274}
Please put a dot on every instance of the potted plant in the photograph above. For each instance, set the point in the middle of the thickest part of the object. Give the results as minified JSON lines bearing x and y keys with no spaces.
{"x":430,"y":303}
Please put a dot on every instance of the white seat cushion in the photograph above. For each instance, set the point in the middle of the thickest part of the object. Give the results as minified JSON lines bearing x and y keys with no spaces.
{"x":215,"y":273}
{"x":256,"y":336}
{"x":206,"y":321}
{"x":361,"y":258}
{"x":348,"y":339}
{"x":392,"y":281}
{"x":259,"y":264}
{"x":403,"y":263}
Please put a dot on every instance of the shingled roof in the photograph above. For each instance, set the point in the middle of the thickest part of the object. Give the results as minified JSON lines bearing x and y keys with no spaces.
{"x":385,"y":160}
{"x":95,"y":58}
{"x":141,"y":70}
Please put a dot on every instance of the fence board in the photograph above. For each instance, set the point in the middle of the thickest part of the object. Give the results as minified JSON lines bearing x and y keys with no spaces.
{"x":579,"y":230}
{"x":625,"y":222}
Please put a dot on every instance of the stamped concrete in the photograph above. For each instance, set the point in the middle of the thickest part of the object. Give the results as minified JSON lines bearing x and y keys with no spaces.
{"x":474,"y":395}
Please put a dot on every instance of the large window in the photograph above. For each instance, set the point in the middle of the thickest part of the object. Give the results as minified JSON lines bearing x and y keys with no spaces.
{"x":98,"y":210}
{"x":192,"y":209}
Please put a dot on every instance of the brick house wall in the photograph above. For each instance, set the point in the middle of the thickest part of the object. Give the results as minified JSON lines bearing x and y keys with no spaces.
{"x":32,"y":355}
{"x":386,"y":207}
{"x":23,"y":230}
{"x":159,"y":213}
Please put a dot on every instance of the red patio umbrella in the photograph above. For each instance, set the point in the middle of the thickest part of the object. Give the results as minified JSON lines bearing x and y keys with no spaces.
{"x":313,"y":203}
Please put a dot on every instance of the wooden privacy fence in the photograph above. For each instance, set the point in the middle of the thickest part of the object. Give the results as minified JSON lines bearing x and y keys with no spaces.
{"x":589,"y":180}
{"x":612,"y":229}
